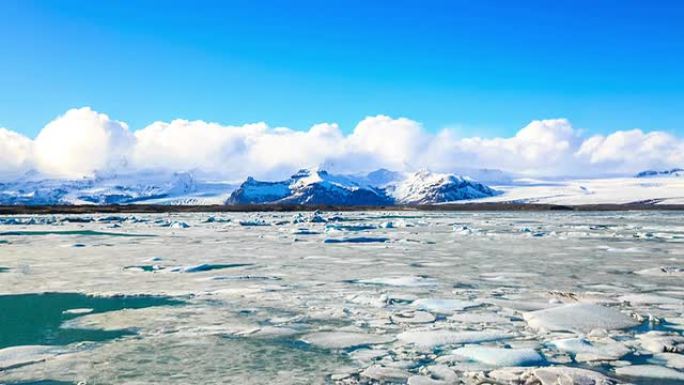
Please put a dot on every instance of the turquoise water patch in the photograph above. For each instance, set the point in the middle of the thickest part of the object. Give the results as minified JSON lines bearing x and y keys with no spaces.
{"x":35,"y":319}
{"x":3,"y":269}
{"x":72,"y":232}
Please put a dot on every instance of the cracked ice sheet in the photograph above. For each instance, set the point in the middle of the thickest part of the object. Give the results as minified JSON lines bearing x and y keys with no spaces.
{"x":283,"y":286}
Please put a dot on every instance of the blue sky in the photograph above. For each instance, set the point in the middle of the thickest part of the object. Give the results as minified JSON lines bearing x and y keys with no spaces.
{"x":483,"y":67}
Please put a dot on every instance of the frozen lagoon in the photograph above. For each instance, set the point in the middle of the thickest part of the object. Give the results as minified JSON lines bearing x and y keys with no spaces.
{"x":343,"y":298}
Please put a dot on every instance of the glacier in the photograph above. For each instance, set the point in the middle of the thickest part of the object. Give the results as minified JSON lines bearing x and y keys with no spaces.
{"x":315,"y":186}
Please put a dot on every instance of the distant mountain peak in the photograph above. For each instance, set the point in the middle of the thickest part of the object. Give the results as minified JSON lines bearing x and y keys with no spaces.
{"x":678,"y":172}
{"x":309,"y":186}
{"x":380,"y":187}
{"x":426,"y":187}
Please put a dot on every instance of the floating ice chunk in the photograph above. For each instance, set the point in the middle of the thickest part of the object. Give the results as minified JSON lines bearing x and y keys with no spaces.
{"x":443,"y":373}
{"x":178,"y":225}
{"x":508,"y":375}
{"x":367,"y":356}
{"x":443,"y":305}
{"x":111,"y":218}
{"x":586,"y":350}
{"x":579,"y":317}
{"x":412,"y":317}
{"x":84,"y":310}
{"x":304,"y":232}
{"x":245,"y":278}
{"x":27,"y":354}
{"x":344,"y":340}
{"x":495,"y":276}
{"x":77,"y":219}
{"x":253,"y":222}
{"x":465,"y":230}
{"x":317,"y":218}
{"x":148,"y":268}
{"x":672,"y":360}
{"x":357,"y":240}
{"x":425,"y":380}
{"x":478,"y":318}
{"x":650,"y":372}
{"x":650,"y":299}
{"x":384,"y":375}
{"x":268,"y":332}
{"x":356,"y":227}
{"x":368,"y":299}
{"x":213,"y":219}
{"x":661,"y":342}
{"x":439,"y":337}
{"x":663,"y":271}
{"x":408,"y":281}
{"x":562,"y":375}
{"x":207,"y":267}
{"x":518,"y":305}
{"x":500,"y":357}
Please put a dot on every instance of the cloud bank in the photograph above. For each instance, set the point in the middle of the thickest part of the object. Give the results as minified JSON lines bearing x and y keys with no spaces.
{"x":83,"y":142}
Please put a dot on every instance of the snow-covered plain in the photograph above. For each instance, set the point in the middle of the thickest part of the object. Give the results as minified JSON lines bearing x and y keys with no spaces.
{"x":262,"y":298}
{"x":655,"y":190}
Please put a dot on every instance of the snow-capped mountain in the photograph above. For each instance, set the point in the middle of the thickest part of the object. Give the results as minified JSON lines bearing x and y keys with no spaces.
{"x":144,"y":187}
{"x":679,"y":172}
{"x":312,"y":187}
{"x":381,"y":187}
{"x":425,"y":187}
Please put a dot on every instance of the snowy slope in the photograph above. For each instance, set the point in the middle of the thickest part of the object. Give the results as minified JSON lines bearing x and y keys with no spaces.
{"x":654,"y":190}
{"x":381,"y":187}
{"x":146,"y":187}
{"x":309,"y":186}
{"x":425,"y":187}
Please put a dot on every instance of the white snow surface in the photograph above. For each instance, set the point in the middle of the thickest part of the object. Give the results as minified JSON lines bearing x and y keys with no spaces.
{"x":653,"y":190}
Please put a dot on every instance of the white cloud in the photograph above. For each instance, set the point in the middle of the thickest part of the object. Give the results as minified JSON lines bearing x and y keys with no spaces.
{"x":190,"y":145}
{"x":395,"y":143}
{"x":541,"y":147}
{"x":15,"y":153}
{"x":624,"y":151}
{"x":83,"y":141}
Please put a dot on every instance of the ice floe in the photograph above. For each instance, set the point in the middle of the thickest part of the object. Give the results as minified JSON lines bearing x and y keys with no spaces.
{"x":408,"y":281}
{"x":672,"y":360}
{"x":659,"y":342}
{"x":561,"y":375}
{"x":357,"y":240}
{"x":385,"y":375}
{"x":439,"y":337}
{"x":344,"y":340}
{"x":580,"y":317}
{"x":26,"y":354}
{"x":592,"y":350}
{"x":500,"y":357}
{"x":412,"y":317}
{"x":443,"y":305}
{"x":651,"y":373}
